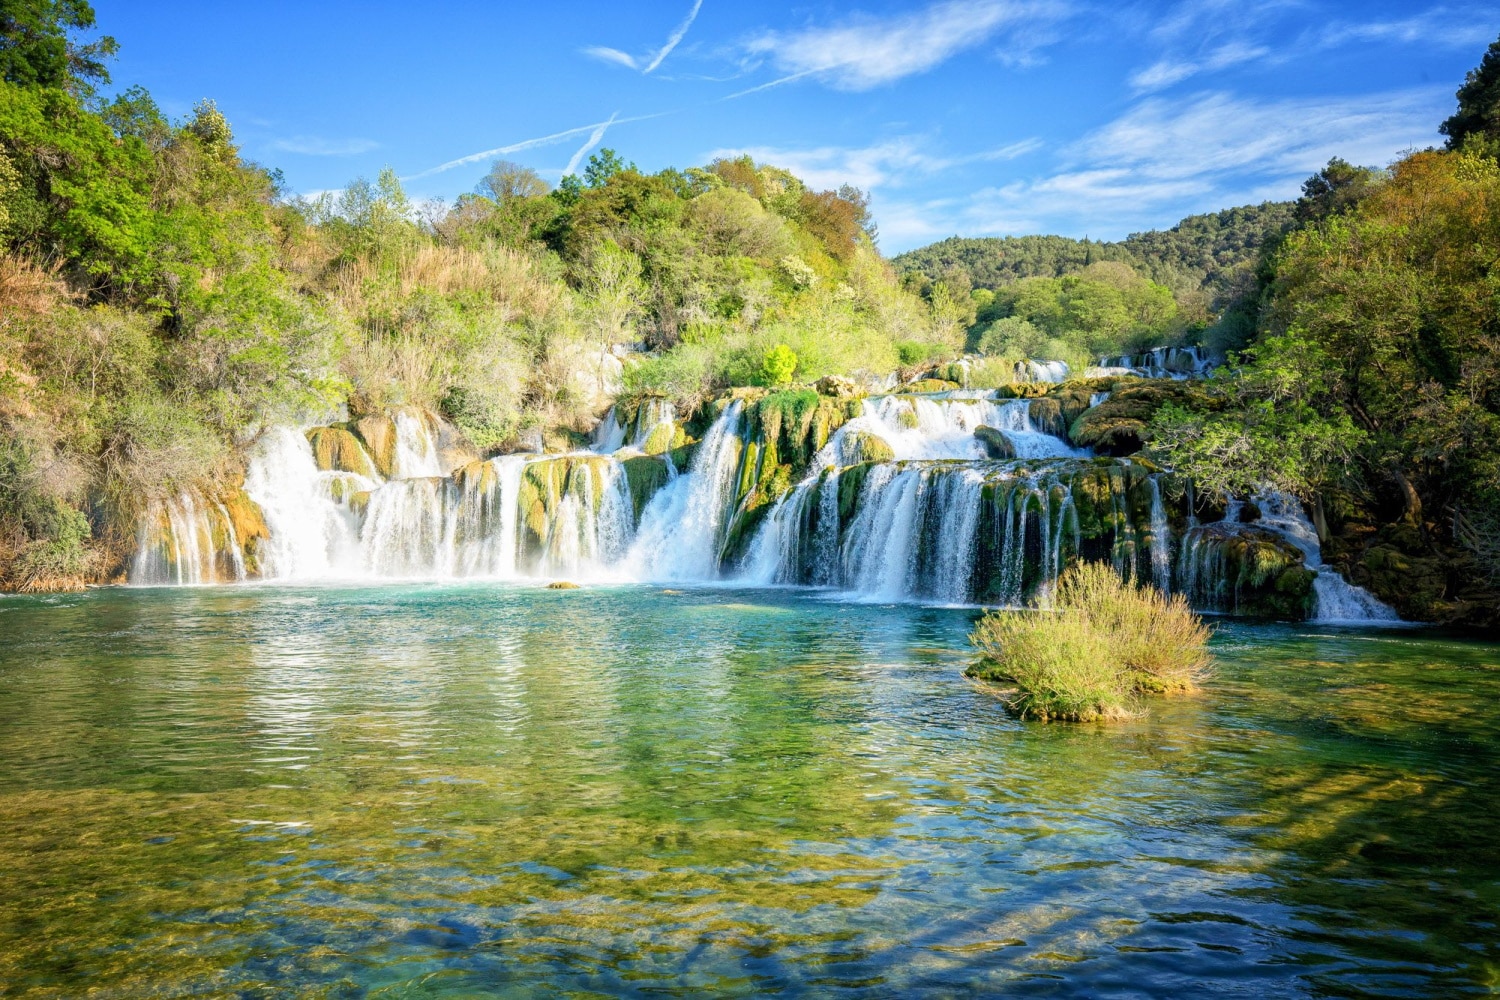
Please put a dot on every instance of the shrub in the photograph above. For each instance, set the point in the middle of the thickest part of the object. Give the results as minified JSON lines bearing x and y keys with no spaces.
{"x":1105,"y":643}
{"x":780,"y":363}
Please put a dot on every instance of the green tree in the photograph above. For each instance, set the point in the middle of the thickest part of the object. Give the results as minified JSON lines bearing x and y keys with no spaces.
{"x":36,"y":50}
{"x":508,"y":181}
{"x":602,"y":166}
{"x":780,"y":362}
{"x":1336,"y":189}
{"x":1478,"y":113}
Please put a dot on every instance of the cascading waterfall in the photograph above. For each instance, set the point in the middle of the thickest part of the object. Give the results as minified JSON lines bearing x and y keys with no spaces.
{"x":683,"y":525}
{"x":1335,"y":599}
{"x":901,"y":501}
{"x":187,"y":541}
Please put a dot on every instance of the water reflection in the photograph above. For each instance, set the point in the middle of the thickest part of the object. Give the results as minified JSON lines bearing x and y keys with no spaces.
{"x":474,"y":790}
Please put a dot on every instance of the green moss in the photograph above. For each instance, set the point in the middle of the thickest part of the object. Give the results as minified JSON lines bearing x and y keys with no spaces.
{"x":644,"y":475}
{"x":378,"y":432}
{"x":996,"y":444}
{"x":1116,"y":426}
{"x":337,"y":449}
{"x":930,"y":385}
{"x":866,"y":447}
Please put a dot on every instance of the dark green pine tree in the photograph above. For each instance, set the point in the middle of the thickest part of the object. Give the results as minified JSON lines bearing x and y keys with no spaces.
{"x":1478,"y":111}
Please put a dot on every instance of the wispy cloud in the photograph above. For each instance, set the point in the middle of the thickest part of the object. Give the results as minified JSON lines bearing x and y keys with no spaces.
{"x":1166,"y":158}
{"x":311,"y":145}
{"x":1166,"y":72}
{"x":892,"y":163}
{"x":1447,"y":27}
{"x":1209,"y":35}
{"x":865,"y":51}
{"x":545,"y":140}
{"x":649,"y":62}
{"x":595,"y":137}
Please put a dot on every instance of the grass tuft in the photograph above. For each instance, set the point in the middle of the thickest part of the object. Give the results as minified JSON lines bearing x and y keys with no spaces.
{"x":1105,"y":644}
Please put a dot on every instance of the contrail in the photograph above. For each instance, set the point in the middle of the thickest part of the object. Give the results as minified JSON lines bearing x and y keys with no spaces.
{"x":675,"y":37}
{"x":768,"y":86}
{"x":545,"y":140}
{"x":594,"y":140}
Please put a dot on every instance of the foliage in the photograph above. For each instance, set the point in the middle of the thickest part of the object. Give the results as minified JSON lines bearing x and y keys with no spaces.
{"x":1478,"y":114}
{"x":36,"y":50}
{"x":780,"y":363}
{"x":1104,"y":643}
{"x":1269,"y":431}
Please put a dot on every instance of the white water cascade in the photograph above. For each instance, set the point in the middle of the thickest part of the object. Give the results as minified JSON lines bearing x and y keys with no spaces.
{"x":1335,"y":599}
{"x":901,"y":501}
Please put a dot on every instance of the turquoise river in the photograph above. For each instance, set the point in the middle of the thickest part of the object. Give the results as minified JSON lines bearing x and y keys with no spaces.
{"x":475,"y":791}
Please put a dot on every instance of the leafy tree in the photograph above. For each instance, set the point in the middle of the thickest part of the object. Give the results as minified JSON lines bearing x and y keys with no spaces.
{"x":1478,"y":114}
{"x":508,"y":181}
{"x":1336,"y":189}
{"x":602,"y":166}
{"x":36,"y":50}
{"x":1277,"y":426}
{"x":779,"y":365}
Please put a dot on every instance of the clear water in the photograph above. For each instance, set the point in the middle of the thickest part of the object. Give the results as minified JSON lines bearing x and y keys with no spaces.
{"x":482,"y":791}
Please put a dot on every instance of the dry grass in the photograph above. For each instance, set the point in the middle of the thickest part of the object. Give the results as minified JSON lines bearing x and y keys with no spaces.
{"x":1106,"y":643}
{"x":29,"y":288}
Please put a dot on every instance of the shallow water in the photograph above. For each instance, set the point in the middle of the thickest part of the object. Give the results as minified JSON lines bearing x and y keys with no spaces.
{"x":481,"y":791}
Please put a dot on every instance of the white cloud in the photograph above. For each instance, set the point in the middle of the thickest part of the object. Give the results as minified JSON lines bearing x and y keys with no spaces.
{"x":311,"y":145}
{"x":1169,"y":71}
{"x":1164,"y":159}
{"x":892,"y":163}
{"x":606,"y":54}
{"x":1215,"y":132}
{"x":1443,"y":26}
{"x":649,"y":62}
{"x":865,"y":52}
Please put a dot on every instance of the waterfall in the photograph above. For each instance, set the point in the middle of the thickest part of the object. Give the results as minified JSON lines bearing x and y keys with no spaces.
{"x":416,"y":451}
{"x":682,"y":526}
{"x":1335,"y":599}
{"x":1161,"y":540}
{"x":902,"y":501}
{"x":313,"y":533}
{"x":918,"y":427}
{"x":185,"y":541}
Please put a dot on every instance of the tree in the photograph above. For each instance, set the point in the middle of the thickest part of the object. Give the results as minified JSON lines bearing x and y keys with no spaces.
{"x":508,"y":181}
{"x":780,"y":363}
{"x":1478,"y":113}
{"x":602,"y":166}
{"x":1336,"y":189}
{"x":35,"y":49}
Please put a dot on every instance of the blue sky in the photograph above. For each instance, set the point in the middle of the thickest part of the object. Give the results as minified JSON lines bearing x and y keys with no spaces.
{"x":971,"y":117}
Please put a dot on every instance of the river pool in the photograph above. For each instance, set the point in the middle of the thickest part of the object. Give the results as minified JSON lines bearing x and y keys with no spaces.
{"x":463,"y":791}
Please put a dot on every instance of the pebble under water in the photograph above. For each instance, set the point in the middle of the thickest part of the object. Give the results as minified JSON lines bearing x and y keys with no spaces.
{"x":446,"y":791}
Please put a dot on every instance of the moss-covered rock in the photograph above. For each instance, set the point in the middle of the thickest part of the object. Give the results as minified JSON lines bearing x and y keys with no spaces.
{"x":863,"y":446}
{"x":248,"y":522}
{"x":1117,"y":425}
{"x":644,"y":475}
{"x":930,"y":385}
{"x":1247,"y":571}
{"x":996,"y":444}
{"x":337,"y":449}
{"x":378,"y":432}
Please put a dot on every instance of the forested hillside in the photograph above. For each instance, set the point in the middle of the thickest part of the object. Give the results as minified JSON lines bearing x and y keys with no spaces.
{"x":162,"y":298}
